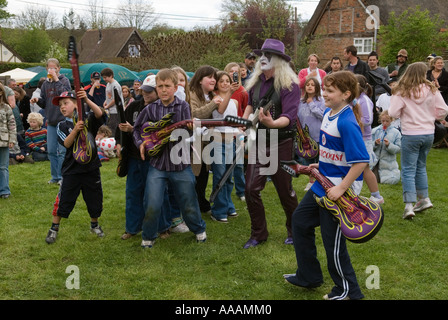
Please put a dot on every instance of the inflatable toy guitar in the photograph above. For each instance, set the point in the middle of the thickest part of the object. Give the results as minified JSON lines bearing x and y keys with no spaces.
{"x":157,"y":134}
{"x":84,"y":146}
{"x":307,"y":148}
{"x":252,"y":132}
{"x":360,"y":218}
{"x":122,"y":167}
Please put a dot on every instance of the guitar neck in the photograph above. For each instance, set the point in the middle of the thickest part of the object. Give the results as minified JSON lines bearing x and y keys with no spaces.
{"x":77,"y":85}
{"x":265,"y":111}
{"x":324,"y":181}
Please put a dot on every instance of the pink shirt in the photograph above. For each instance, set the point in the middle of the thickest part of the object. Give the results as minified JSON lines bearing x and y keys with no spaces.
{"x":417,"y":115}
{"x":304,"y":72}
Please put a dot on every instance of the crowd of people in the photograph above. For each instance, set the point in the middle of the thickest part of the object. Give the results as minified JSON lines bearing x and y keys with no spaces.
{"x":360,"y":127}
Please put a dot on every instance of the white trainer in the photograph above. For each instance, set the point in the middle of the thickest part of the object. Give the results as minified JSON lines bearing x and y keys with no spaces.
{"x":422,"y":204}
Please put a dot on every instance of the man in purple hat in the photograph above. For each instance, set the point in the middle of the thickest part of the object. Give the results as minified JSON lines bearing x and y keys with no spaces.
{"x":272,"y":80}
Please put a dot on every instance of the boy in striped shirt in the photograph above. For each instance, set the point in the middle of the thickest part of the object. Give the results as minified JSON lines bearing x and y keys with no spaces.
{"x":36,"y":137}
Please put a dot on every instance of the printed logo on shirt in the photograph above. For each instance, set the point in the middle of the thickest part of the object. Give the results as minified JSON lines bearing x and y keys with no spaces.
{"x":332,"y":156}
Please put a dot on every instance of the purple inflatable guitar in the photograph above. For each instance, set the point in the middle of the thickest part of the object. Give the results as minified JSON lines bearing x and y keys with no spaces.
{"x":360,"y":218}
{"x":157,"y":134}
{"x":307,"y":148}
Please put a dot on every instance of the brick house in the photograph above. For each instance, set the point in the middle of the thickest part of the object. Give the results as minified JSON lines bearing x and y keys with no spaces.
{"x":110,"y":45}
{"x":337,"y":24}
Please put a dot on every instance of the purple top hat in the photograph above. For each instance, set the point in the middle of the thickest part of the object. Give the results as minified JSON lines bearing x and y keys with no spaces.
{"x":273,"y":46}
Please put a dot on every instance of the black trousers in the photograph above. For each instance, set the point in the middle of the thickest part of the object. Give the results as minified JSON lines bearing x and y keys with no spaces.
{"x":92,"y":192}
{"x":307,"y":216}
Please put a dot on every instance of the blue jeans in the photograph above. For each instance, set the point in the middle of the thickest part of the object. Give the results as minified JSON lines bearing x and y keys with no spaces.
{"x":223,"y":204}
{"x":240,"y":181}
{"x":170,"y":209}
{"x":56,"y":153}
{"x":135,"y":192}
{"x":4,"y":171}
{"x":183,"y":183}
{"x":414,"y":151}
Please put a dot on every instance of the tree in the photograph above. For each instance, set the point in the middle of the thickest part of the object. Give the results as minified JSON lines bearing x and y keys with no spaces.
{"x":414,"y":30}
{"x":257,"y":20}
{"x":138,"y":14}
{"x":3,"y":13}
{"x":36,"y":17}
{"x":33,"y":45}
{"x":98,"y":17}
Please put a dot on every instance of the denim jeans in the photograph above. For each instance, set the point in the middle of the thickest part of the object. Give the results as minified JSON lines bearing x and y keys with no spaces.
{"x":56,"y":153}
{"x":183,"y":183}
{"x":4,"y":171}
{"x":414,"y":151}
{"x":135,"y":192}
{"x":223,"y":204}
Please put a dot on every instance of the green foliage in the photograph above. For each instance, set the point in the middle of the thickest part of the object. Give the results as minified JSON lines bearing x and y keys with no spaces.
{"x":55,"y":51}
{"x":33,"y":45}
{"x":3,"y":13}
{"x":256,"y":20}
{"x":416,"y":31}
{"x":190,"y":50}
{"x":411,"y":255}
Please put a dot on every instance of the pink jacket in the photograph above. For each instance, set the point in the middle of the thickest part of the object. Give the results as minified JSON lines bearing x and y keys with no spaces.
{"x":417,"y":115}
{"x":304,"y":72}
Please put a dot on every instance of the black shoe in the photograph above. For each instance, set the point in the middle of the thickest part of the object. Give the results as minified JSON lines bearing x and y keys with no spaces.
{"x":292,"y":279}
{"x":51,"y":236}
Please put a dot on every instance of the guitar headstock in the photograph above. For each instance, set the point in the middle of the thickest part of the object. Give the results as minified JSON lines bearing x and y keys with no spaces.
{"x":72,"y":50}
{"x":238,"y":120}
{"x":294,"y":168}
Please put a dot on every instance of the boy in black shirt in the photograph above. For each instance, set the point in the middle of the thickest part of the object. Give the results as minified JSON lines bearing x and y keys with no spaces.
{"x":77,"y":177}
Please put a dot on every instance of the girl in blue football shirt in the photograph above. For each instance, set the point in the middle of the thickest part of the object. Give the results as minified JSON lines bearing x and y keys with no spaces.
{"x":343,"y":158}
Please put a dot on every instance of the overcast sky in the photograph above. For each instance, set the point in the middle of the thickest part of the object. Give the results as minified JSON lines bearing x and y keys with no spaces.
{"x":177,"y":13}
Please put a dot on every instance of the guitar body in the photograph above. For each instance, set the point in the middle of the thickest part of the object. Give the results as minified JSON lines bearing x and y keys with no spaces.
{"x":359,"y":218}
{"x":84,"y":147}
{"x":307,"y":148}
{"x":252,"y":132}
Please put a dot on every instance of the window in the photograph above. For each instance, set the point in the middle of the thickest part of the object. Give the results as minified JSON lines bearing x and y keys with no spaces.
{"x":363,"y":45}
{"x":134,"y":51}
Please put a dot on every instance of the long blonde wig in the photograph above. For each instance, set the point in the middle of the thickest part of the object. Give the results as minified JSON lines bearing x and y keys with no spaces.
{"x":284,"y":76}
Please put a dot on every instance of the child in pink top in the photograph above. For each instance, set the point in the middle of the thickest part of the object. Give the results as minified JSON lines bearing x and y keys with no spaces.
{"x":418,"y":103}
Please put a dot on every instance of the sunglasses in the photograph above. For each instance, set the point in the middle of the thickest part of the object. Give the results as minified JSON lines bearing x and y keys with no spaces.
{"x":401,"y":56}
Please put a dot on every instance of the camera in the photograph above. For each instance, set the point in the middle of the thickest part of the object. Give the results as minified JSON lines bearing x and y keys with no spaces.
{"x":235,"y":77}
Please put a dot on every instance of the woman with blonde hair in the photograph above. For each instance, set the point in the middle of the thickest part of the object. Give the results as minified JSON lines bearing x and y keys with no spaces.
{"x":418,"y":103}
{"x":439,"y":76}
{"x":312,"y":71}
{"x":127,"y":96}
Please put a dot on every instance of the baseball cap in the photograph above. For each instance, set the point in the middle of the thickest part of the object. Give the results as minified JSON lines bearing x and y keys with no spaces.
{"x":66,"y":94}
{"x":95,"y":75}
{"x":149,"y":84}
{"x":251,"y":55}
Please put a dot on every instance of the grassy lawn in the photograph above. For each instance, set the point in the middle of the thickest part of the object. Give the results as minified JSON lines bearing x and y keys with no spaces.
{"x":411,"y":256}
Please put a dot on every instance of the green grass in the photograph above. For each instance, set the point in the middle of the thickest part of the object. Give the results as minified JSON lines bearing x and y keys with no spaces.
{"x":411,"y":255}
